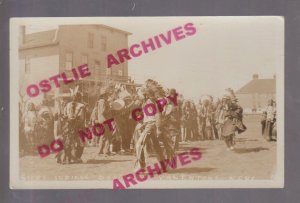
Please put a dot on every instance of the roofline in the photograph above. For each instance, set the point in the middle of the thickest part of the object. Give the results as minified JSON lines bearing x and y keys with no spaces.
{"x":242,"y":92}
{"x":109,"y":27}
{"x":24,"y":47}
{"x":102,"y":25}
{"x":52,"y":30}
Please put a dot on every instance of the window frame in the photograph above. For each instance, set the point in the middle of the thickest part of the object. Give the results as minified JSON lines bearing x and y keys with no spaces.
{"x":67,"y":61}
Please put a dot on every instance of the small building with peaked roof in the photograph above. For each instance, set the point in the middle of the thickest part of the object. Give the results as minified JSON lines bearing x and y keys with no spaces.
{"x":254,"y":95}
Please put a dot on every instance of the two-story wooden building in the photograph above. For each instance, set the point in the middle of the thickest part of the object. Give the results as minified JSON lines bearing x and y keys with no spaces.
{"x":44,"y":54}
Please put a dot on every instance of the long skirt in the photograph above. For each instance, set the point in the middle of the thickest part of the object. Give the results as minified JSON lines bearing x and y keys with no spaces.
{"x":268,"y":130}
{"x":143,"y":137}
{"x":274,"y":132}
{"x":228,"y":132}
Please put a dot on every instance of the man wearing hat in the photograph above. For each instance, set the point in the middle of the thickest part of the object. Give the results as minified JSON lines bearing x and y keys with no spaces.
{"x":101,"y":113}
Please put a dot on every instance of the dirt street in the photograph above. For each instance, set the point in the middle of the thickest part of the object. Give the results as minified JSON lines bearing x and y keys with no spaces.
{"x":253,"y":158}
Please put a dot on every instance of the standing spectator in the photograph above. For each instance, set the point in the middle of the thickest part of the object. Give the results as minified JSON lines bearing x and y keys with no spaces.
{"x":274,"y":131}
{"x":205,"y":123}
{"x":46,"y":124}
{"x":30,"y":126}
{"x":199,"y":120}
{"x":209,"y":121}
{"x":194,"y":124}
{"x":128,"y":124}
{"x":186,"y":120}
{"x":214,"y":119}
{"x":101,"y":113}
{"x":263,"y":122}
{"x":270,"y":119}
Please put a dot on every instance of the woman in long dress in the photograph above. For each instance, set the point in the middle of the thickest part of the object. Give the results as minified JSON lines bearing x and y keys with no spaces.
{"x":270,"y":120}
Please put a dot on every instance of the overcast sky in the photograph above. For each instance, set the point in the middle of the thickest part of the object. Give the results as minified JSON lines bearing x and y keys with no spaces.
{"x":225,"y":52}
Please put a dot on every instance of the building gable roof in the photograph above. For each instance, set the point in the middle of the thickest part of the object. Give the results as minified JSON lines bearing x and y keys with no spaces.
{"x":259,"y":86}
{"x":39,"y":39}
{"x":49,"y":37}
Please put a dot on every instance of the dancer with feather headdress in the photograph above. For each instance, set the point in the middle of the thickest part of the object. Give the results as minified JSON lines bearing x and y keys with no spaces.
{"x":74,"y":116}
{"x":233,"y":118}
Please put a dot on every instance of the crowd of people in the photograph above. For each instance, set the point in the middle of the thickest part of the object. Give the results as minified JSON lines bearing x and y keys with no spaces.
{"x":160,"y":134}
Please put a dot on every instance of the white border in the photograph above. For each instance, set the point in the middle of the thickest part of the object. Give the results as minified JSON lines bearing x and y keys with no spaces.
{"x":16,"y":183}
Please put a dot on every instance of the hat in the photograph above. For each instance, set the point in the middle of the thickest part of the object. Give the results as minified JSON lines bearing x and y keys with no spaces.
{"x":172,"y":91}
{"x":104,"y":90}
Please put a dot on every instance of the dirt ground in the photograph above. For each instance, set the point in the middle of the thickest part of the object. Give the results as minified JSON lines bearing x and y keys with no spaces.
{"x":253,"y":158}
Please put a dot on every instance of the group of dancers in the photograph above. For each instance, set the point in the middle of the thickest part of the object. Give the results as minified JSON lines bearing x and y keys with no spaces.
{"x":160,"y":133}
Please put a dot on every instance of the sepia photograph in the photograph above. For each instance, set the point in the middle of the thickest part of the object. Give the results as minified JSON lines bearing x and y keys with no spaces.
{"x":147,"y":102}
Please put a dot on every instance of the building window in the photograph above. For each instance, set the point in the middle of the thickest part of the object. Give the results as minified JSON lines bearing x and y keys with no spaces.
{"x":103,"y":43}
{"x":84,"y":59}
{"x":97,"y":67}
{"x":69,"y":61}
{"x":90,"y":40}
{"x":120,"y":72}
{"x":27,"y":64}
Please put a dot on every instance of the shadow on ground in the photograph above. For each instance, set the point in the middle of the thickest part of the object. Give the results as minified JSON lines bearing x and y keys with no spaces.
{"x":245,"y":140}
{"x":105,"y":161}
{"x":191,"y":170}
{"x":249,"y":150}
{"x":182,"y":149}
{"x":187,"y":149}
